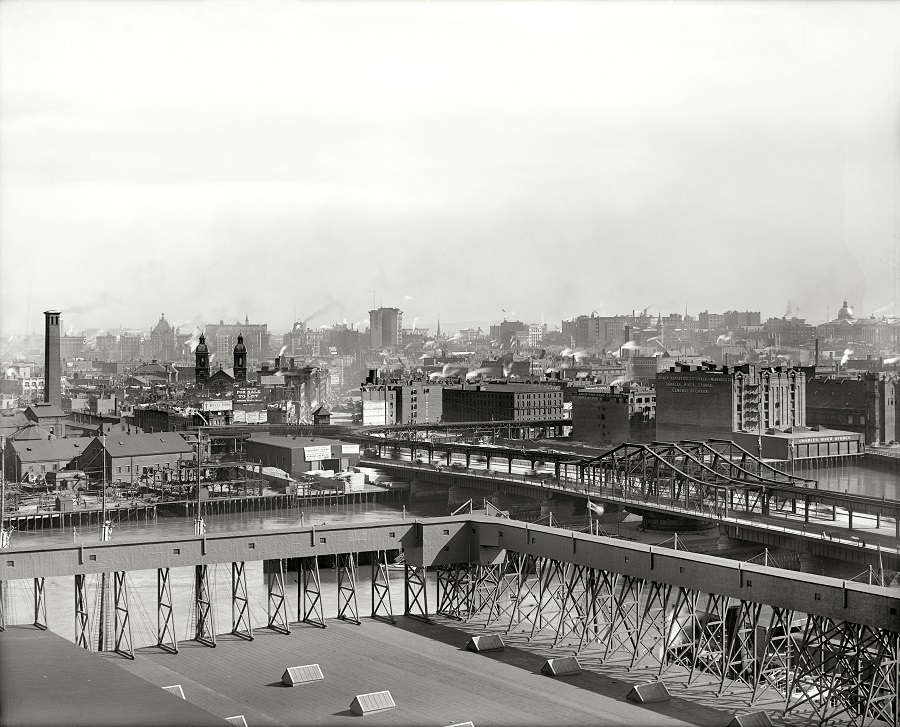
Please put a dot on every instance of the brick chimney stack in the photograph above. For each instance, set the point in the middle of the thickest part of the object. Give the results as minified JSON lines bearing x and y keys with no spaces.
{"x":52,"y":365}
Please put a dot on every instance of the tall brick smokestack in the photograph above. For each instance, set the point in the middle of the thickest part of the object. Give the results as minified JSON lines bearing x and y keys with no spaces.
{"x":52,"y":367}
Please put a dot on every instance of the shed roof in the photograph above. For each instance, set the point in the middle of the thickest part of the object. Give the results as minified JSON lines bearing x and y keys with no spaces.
{"x":50,"y":450}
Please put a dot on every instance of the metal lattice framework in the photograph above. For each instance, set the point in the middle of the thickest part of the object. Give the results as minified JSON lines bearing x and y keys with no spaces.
{"x":276,"y":604}
{"x":382,"y":608}
{"x":82,"y":615}
{"x":415,"y":593}
{"x":309,"y":593}
{"x":779,"y":637}
{"x":204,"y":627}
{"x":454,"y":589}
{"x":165,"y":619}
{"x":347,"y":609}
{"x":121,"y":618}
{"x":40,"y":605}
{"x":835,"y":668}
{"x":241,"y":625}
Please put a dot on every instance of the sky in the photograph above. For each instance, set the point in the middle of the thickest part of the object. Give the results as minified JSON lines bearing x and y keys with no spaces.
{"x":464,"y":160}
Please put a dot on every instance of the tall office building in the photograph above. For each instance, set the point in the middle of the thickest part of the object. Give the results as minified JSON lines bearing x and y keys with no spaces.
{"x":385,"y":325}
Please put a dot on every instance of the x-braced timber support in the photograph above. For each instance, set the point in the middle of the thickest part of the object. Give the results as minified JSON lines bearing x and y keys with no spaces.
{"x":82,"y":617}
{"x":309,"y":595}
{"x":415,"y":595}
{"x":276,"y":604}
{"x":381,"y":588}
{"x":204,"y":629}
{"x":165,"y":619}
{"x":347,"y":609}
{"x":240,"y":606}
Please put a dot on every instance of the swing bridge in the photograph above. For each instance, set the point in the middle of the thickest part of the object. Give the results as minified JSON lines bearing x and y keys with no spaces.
{"x":817,"y":644}
{"x":714,"y":481}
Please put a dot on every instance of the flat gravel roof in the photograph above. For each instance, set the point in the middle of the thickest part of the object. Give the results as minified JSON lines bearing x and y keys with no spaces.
{"x":47,"y":680}
{"x":432,"y":678}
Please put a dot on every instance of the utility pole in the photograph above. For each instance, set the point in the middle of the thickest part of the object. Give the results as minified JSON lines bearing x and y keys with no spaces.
{"x":199,"y":525}
{"x":4,"y":533}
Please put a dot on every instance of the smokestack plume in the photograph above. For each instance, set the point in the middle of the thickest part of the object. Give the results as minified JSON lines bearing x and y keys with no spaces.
{"x":52,"y":366}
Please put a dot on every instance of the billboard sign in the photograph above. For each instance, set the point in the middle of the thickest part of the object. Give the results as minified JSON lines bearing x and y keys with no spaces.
{"x":249,"y":397}
{"x":216,"y":405}
{"x":317,"y":454}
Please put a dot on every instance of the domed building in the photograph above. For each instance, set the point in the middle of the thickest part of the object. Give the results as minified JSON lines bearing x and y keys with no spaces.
{"x":847,"y":329}
{"x":845,"y":313}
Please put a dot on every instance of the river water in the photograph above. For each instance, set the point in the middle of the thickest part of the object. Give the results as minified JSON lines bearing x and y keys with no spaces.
{"x":422,"y":502}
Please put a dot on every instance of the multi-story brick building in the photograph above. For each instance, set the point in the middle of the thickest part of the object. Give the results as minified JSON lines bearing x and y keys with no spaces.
{"x":866,"y":404}
{"x":614,"y":414}
{"x":701,"y":402}
{"x":501,"y":402}
{"x":402,"y":402}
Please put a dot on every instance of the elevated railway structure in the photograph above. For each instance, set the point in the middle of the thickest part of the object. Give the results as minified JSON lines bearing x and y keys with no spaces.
{"x":714,"y":481}
{"x":819,"y":646}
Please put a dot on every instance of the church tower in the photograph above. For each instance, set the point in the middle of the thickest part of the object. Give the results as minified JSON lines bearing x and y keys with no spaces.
{"x":240,"y":361}
{"x":201,"y":368}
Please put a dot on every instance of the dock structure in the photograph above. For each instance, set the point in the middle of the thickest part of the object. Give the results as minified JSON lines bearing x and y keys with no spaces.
{"x":139,"y":510}
{"x":815,"y":644}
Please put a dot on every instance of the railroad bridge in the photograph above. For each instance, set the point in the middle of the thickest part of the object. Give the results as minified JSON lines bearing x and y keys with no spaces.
{"x":820,"y":644}
{"x":713,"y":481}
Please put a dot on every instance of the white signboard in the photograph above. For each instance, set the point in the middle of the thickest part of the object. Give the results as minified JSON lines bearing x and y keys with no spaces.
{"x":317,"y":454}
{"x":240,"y":416}
{"x":216,"y":405}
{"x":349,"y":449}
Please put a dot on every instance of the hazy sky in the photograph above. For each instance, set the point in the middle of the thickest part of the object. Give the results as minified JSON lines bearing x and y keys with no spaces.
{"x":214,"y":160}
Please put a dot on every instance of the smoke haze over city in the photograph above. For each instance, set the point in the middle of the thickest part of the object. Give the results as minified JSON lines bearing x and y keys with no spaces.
{"x":293,"y":161}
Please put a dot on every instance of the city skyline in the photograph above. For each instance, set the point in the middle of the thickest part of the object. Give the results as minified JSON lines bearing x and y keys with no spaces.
{"x":550,"y":160}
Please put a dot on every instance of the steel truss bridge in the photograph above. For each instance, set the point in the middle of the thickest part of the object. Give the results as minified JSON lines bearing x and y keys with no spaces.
{"x":715,"y":480}
{"x":717,"y":477}
{"x":817,"y":644}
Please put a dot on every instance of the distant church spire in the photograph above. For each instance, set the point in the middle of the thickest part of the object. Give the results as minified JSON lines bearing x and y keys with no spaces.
{"x":439,"y":327}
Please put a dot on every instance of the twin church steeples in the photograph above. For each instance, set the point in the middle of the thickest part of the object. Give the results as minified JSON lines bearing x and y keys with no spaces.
{"x":201,"y":365}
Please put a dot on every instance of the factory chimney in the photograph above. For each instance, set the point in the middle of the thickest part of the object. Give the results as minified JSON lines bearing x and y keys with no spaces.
{"x":52,"y":366}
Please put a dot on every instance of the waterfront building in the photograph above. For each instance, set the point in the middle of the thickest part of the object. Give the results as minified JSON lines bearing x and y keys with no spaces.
{"x":297,"y":455}
{"x":801,"y":443}
{"x":125,"y":456}
{"x":501,"y":402}
{"x":708,"y":401}
{"x":29,"y":460}
{"x":864,"y":403}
